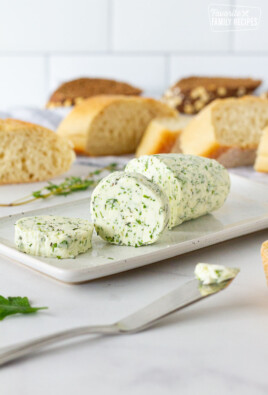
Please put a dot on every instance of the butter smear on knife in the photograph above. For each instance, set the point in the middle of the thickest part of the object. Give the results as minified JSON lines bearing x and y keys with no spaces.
{"x":214,"y":274}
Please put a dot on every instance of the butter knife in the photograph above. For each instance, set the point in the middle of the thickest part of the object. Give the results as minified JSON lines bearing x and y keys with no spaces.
{"x":187,"y":294}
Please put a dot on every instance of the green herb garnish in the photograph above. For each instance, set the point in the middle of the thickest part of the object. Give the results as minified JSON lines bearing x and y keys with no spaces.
{"x":111,"y":203}
{"x":16,"y":305}
{"x":64,"y":243}
{"x":68,"y":186}
{"x":53,"y":246}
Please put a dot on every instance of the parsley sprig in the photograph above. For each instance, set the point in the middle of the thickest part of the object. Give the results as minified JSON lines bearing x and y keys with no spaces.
{"x":16,"y":305}
{"x":68,"y":186}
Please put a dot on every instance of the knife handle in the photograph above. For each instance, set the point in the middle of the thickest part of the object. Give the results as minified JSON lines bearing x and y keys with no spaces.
{"x":12,"y":353}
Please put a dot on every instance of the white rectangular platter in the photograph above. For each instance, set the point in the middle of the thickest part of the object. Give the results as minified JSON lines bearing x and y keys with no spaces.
{"x":245,"y":211}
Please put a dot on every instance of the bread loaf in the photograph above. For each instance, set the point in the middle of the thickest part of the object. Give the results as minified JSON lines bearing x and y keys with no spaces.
{"x":264,"y":95}
{"x":224,"y":124}
{"x":75,"y":91}
{"x":190,"y":95}
{"x":261,"y":163}
{"x":31,"y":152}
{"x":111,"y":125}
{"x":161,"y":134}
{"x":264,"y":255}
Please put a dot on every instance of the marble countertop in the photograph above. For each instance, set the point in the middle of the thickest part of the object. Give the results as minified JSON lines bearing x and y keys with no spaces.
{"x":218,"y":346}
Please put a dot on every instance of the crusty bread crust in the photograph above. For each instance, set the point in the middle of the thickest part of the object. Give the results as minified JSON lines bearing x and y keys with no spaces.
{"x":224,"y":124}
{"x":264,"y":255}
{"x":30,"y":153}
{"x":111,"y":125}
{"x":235,"y":157}
{"x":261,"y":163}
{"x":190,"y":95}
{"x":161,"y":134}
{"x":228,"y":157}
{"x":75,"y":91}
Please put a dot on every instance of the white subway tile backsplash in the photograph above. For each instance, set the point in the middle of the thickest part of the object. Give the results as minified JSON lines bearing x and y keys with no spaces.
{"x":229,"y":65}
{"x":22,"y":81}
{"x":146,"y":72}
{"x":253,"y":40}
{"x":166,"y":25}
{"x":53,"y":25}
{"x":148,"y":43}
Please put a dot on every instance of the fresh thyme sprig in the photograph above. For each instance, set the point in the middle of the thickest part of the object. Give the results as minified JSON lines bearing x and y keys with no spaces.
{"x":68,"y":186}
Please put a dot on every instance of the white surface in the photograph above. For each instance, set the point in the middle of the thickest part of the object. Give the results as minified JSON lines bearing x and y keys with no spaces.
{"x":244,"y":212}
{"x":255,"y":40}
{"x":142,"y":41}
{"x":22,"y":81}
{"x":136,"y":70}
{"x":219,"y":344}
{"x":61,"y":25}
{"x":170,"y":25}
{"x":219,"y":65}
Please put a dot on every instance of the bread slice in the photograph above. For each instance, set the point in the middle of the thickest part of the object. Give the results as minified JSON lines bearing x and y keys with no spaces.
{"x":75,"y":91}
{"x":111,"y":125}
{"x":228,"y":157}
{"x":235,"y":157}
{"x":261,"y":163}
{"x":161,"y":134}
{"x":264,"y":255}
{"x":264,"y":95}
{"x":190,"y":95}
{"x":31,"y":152}
{"x":224,"y":124}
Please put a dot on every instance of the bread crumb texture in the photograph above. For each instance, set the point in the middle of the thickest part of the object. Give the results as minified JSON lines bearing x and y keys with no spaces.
{"x":111,"y":125}
{"x":264,"y":255}
{"x":261,"y":163}
{"x":161,"y":135}
{"x":30,"y":152}
{"x":190,"y":95}
{"x":226,"y":123}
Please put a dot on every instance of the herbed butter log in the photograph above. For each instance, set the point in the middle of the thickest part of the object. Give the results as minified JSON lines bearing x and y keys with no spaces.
{"x":194,"y":185}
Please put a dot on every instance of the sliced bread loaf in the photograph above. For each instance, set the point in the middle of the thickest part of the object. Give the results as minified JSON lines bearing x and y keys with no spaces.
{"x":190,"y":95}
{"x":264,"y":255}
{"x":75,"y":91}
{"x":261,"y":163}
{"x":31,"y":153}
{"x":161,"y":134}
{"x":111,"y":125}
{"x":224,"y":124}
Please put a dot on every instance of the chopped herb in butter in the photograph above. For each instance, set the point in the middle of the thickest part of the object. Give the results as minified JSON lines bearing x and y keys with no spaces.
{"x":128,"y":209}
{"x":214,"y":274}
{"x":194,"y":186}
{"x":52,"y":236}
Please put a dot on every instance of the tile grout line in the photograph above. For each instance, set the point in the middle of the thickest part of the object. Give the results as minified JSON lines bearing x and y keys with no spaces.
{"x":133,"y":53}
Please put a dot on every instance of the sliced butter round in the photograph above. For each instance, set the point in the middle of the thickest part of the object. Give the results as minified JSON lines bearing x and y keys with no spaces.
{"x":53,"y":236}
{"x":128,"y":209}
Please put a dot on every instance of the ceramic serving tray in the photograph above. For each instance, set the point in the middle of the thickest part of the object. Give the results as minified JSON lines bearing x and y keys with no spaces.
{"x":245,"y":211}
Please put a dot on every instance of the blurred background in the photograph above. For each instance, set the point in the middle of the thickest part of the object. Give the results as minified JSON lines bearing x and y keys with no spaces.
{"x":148,"y":43}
